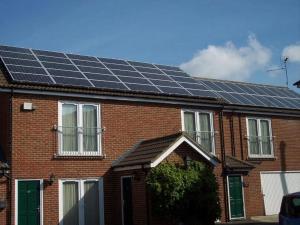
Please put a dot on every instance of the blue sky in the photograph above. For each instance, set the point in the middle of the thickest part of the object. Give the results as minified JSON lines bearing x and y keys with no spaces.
{"x":232,"y":39}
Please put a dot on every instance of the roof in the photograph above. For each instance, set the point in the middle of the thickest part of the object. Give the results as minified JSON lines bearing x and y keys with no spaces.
{"x":297,"y":83}
{"x":235,"y":164}
{"x":150,"y":153}
{"x":36,"y":71}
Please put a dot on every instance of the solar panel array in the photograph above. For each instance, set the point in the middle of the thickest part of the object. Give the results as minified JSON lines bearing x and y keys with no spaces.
{"x":251,"y":94}
{"x":54,"y":68}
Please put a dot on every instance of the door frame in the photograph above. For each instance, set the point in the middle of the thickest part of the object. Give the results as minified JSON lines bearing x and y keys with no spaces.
{"x":228,"y":195}
{"x":41,"y":199}
{"x":122,"y":177}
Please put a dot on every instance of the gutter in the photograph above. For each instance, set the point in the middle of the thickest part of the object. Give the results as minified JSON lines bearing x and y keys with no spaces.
{"x":162,"y":100}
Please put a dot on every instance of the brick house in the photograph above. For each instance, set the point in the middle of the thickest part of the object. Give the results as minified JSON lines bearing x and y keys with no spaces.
{"x":78,"y":149}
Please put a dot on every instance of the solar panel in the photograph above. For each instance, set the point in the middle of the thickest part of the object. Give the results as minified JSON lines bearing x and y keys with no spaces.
{"x":164,"y":67}
{"x":31,"y":78}
{"x":15,"y":49}
{"x":156,"y":76}
{"x":55,"y":68}
{"x":65,"y":73}
{"x":82,"y":57}
{"x":109,"y":85}
{"x":141,"y":64}
{"x":27,"y":69}
{"x":72,"y":81}
{"x":88,"y":63}
{"x":144,"y":88}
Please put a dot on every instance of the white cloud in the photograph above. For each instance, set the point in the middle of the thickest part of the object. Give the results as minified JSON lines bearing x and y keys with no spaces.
{"x":228,"y":61}
{"x":292,"y":52}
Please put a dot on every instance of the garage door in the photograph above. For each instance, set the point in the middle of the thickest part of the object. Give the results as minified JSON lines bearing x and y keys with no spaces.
{"x":275,"y":185}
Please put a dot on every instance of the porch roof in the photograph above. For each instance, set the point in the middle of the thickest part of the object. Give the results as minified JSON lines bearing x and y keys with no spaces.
{"x":149,"y":153}
{"x":234,"y":164}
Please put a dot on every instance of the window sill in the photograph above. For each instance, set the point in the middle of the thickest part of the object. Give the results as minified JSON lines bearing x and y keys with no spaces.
{"x":257,"y":158}
{"x":79,"y":157}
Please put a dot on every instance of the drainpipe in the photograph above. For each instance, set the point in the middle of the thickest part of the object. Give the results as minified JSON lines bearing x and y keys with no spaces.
{"x":241,"y":137}
{"x":232,"y":137}
{"x":9,"y":214}
{"x":223,"y":165}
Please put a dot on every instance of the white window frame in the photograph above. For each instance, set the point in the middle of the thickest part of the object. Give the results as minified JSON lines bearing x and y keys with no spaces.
{"x":197,"y":125}
{"x":80,"y":183}
{"x":260,"y":155}
{"x":41,"y":199}
{"x":80,"y":151}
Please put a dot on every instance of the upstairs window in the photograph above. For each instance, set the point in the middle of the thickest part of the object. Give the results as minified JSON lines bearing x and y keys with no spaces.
{"x":79,"y":129}
{"x":199,"y":125}
{"x":260,"y":139}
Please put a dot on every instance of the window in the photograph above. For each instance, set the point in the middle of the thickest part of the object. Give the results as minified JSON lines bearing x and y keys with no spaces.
{"x":81,"y":202}
{"x":260,"y":140}
{"x":79,"y":129}
{"x":199,"y":125}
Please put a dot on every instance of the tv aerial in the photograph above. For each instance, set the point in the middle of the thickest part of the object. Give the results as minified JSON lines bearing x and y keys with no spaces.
{"x":283,"y":67}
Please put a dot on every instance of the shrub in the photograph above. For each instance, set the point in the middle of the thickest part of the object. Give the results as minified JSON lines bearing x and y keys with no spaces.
{"x":187,"y":195}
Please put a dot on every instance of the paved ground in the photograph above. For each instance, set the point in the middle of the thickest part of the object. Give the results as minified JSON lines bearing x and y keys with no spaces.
{"x":258,"y":220}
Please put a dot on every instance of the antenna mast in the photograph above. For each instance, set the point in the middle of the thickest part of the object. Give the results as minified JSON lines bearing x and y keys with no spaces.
{"x":283,"y":67}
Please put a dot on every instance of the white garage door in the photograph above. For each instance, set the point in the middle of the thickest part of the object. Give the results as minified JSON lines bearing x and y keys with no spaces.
{"x":275,"y":185}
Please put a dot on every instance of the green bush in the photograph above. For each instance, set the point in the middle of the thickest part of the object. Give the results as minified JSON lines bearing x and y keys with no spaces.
{"x":187,"y":195}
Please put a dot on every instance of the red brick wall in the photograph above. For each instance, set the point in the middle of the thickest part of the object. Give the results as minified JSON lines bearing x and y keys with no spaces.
{"x":35,"y":143}
{"x":286,"y":150}
{"x":4,"y":143}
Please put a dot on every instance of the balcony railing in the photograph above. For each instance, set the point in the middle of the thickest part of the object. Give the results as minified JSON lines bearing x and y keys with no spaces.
{"x":79,"y":140}
{"x":261,"y":146}
{"x":204,"y":138}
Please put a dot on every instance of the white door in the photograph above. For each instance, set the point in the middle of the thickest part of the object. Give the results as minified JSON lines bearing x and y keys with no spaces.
{"x":275,"y":185}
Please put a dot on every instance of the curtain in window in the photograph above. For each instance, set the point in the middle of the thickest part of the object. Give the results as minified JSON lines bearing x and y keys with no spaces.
{"x":91,"y":203}
{"x":253,"y":137}
{"x":70,"y":203}
{"x":189,"y":124}
{"x":205,"y":131}
{"x":265,"y":137}
{"x":69,"y":129}
{"x":89,"y":128}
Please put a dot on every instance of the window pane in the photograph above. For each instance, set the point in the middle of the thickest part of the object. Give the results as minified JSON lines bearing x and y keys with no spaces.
{"x":69,"y":129}
{"x":70,"y":203}
{"x":189,"y":124}
{"x":253,"y":137}
{"x":91,"y":203}
{"x":265,"y":137}
{"x":90,"y":128}
{"x":205,"y":131}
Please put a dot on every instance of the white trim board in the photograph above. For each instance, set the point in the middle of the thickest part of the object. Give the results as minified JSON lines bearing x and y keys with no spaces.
{"x":167,"y":152}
